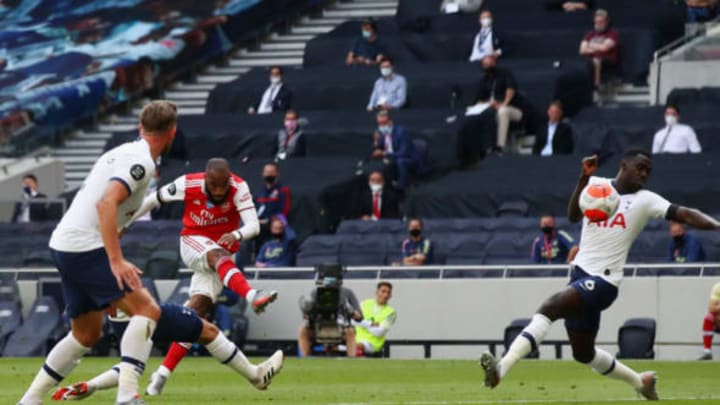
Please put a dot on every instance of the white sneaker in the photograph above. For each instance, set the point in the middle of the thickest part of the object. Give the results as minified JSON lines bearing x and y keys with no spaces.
{"x":157,"y":383}
{"x":268,"y":369}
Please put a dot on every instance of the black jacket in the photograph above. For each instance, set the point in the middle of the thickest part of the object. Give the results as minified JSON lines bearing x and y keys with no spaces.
{"x":38,"y":211}
{"x":562,"y":141}
{"x":389,"y":204}
{"x":282,"y":101}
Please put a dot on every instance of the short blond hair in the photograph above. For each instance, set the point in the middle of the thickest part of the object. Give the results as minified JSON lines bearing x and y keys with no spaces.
{"x":158,"y":116}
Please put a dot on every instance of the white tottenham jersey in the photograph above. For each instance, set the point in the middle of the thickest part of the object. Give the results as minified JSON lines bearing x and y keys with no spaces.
{"x":130,"y":164}
{"x":604,"y":246}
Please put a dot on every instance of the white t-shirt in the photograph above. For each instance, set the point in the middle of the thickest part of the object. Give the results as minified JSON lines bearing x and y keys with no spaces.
{"x":132,"y":165}
{"x":604,"y":246}
{"x":678,"y":138}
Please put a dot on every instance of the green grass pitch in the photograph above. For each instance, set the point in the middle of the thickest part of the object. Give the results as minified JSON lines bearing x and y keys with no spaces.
{"x":385,"y":382}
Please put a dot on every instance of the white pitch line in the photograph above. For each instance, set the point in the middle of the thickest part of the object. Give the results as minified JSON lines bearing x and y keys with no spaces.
{"x":525,"y":401}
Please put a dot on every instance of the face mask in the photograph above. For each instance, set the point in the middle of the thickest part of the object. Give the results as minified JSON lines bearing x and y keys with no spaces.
{"x":269,"y":179}
{"x":375,"y":187}
{"x":671,"y":120}
{"x":386,"y":71}
{"x":366,"y":34}
{"x":275,"y":79}
{"x":600,"y":28}
{"x":291,"y":125}
{"x":547,"y":230}
{"x":278,"y":235}
{"x":27,"y":190}
{"x":486,"y":22}
{"x":678,"y":239}
{"x":384,"y":129}
{"x":415,"y":232}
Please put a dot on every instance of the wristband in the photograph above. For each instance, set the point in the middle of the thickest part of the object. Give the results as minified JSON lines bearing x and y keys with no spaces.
{"x":238,"y":236}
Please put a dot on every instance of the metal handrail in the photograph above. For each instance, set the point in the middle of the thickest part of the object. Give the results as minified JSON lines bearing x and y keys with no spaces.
{"x":682,"y":41}
{"x":378,"y":270}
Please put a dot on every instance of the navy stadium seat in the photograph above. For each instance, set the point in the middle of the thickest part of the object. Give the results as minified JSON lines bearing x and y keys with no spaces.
{"x":513,"y":330}
{"x":10,"y":320}
{"x":636,"y":339}
{"x":41,"y":326}
{"x":319,"y":249}
{"x":362,"y":250}
{"x":180,"y":293}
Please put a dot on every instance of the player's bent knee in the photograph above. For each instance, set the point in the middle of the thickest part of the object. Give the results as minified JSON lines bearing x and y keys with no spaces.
{"x":201,"y":304}
{"x":209,"y":333}
{"x":215,"y":255}
{"x":140,"y":302}
{"x":87,"y":337}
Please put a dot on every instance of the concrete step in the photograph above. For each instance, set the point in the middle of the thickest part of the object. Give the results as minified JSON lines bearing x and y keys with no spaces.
{"x":321,"y":29}
{"x":119,"y":127}
{"x":193,"y":86}
{"x":323,"y":21}
{"x":187,"y":95}
{"x":183,"y":110}
{"x":362,"y":5}
{"x":94,"y":136}
{"x":215,"y":79}
{"x":72,"y":185}
{"x":78,"y":159}
{"x":226,"y":70}
{"x":122,"y":119}
{"x":380,"y":12}
{"x":85,"y":143}
{"x":195,"y":103}
{"x":78,"y":166}
{"x":271,"y":54}
{"x":292,"y":37}
{"x":266,"y":62}
{"x":282,"y":46}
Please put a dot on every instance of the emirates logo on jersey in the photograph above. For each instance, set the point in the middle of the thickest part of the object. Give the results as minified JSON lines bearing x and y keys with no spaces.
{"x":206,"y":218}
{"x":617,"y":221}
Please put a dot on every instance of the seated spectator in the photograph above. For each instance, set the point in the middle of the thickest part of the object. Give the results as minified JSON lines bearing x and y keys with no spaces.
{"x":700,"y":11}
{"x":684,"y":247}
{"x":553,"y":246}
{"x":377,"y":201}
{"x":555,"y":137}
{"x":279,"y":250}
{"x":460,"y":6}
{"x":486,"y":41}
{"x":569,"y":6}
{"x":417,"y":250}
{"x":273,"y":199}
{"x":675,"y":137}
{"x":711,"y":323}
{"x":367,"y":50}
{"x":390,"y":89}
{"x":28,"y":211}
{"x":393,"y":144}
{"x":277,"y":97}
{"x":601,"y":46}
{"x":378,"y":318}
{"x":501,"y":85}
{"x":291,"y":140}
{"x":348,"y":310}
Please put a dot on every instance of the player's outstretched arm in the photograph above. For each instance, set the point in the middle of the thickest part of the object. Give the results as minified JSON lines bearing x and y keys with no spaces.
{"x":694,"y":217}
{"x":149,"y":203}
{"x":589,"y":167}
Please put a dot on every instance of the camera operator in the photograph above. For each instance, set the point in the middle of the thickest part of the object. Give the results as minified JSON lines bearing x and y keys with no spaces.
{"x":346,"y":309}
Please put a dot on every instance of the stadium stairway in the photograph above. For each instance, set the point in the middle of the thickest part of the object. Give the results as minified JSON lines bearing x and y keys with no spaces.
{"x":280,"y":48}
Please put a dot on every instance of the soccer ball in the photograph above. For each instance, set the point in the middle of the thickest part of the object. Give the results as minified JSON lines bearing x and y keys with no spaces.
{"x":599,"y":201}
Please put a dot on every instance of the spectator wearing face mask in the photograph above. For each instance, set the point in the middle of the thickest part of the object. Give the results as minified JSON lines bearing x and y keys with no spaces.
{"x":277,"y":97}
{"x":273,"y":199}
{"x":486,"y":41}
{"x":675,"y":137}
{"x":601,"y":46}
{"x":684,"y":247}
{"x":377,"y":201}
{"x":392,"y":143}
{"x":279,"y":250}
{"x":291,"y":140}
{"x":417,"y":250}
{"x":553,"y":246}
{"x":27,"y":211}
{"x":367,"y":50}
{"x":390,"y":89}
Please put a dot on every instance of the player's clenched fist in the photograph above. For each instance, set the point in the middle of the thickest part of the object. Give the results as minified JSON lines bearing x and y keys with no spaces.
{"x":589,"y":165}
{"x":126,"y":274}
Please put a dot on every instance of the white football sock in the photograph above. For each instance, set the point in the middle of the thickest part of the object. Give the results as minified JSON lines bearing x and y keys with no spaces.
{"x":164,"y":371}
{"x":61,"y":360}
{"x":525,"y":342}
{"x":135,"y":349}
{"x":604,"y":363}
{"x":227,"y":353}
{"x":108,"y":379}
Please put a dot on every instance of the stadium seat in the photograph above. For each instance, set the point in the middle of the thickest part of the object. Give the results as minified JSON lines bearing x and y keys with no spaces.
{"x":149,"y":283}
{"x":319,"y":249}
{"x":513,"y":209}
{"x":636,"y":339}
{"x":180,"y":293}
{"x":41,"y":327}
{"x":9,"y":290}
{"x":358,"y":250}
{"x":513,"y":330}
{"x":163,"y":265}
{"x":10,"y":320}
